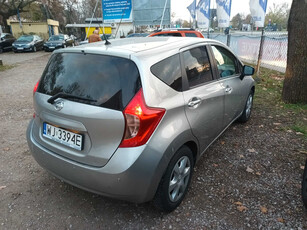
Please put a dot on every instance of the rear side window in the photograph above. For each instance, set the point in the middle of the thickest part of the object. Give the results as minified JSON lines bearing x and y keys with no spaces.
{"x":197,"y":66}
{"x":169,"y":71}
{"x":112,"y":81}
{"x":190,"y":35}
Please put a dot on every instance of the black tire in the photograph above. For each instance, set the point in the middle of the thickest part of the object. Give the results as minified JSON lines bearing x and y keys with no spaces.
{"x":304,"y":186}
{"x":34,"y":49}
{"x":164,"y":199}
{"x":1,"y":50}
{"x":247,"y":111}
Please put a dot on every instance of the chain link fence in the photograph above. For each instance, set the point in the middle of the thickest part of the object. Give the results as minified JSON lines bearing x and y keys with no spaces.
{"x":247,"y":46}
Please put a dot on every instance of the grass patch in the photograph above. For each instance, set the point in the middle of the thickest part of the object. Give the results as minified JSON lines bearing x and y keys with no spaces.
{"x":6,"y":67}
{"x":268,"y":98}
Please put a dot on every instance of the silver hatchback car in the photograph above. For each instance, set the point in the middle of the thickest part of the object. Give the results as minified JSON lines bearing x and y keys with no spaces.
{"x":129,"y":120}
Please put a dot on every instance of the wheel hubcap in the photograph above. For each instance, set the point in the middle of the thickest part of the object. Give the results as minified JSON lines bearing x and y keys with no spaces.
{"x":179,"y":178}
{"x":249,"y":104}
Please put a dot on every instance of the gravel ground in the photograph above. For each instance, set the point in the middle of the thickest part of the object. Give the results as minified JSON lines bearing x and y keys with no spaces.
{"x":10,"y":58}
{"x":248,"y":179}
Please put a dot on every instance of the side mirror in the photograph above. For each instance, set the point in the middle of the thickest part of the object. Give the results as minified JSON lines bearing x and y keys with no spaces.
{"x":247,"y":71}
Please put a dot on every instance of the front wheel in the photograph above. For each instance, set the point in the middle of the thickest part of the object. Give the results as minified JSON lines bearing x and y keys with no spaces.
{"x":247,"y":109}
{"x":176,"y":180}
{"x":34,"y":49}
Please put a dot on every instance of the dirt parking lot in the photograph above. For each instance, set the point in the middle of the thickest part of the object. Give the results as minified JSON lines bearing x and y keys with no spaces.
{"x":11,"y":58}
{"x":249,"y":179}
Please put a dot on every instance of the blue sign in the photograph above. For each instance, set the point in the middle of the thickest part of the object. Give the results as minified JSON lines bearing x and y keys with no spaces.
{"x":117,"y":10}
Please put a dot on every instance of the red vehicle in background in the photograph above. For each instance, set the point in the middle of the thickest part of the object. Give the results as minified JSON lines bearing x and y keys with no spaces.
{"x":177,"y":33}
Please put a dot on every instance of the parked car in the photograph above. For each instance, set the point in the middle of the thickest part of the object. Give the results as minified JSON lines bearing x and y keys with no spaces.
{"x":108,"y":36}
{"x":28,"y":43}
{"x":137,"y":35}
{"x":6,"y":41}
{"x":130,"y":119}
{"x":177,"y":33}
{"x":58,"y":41}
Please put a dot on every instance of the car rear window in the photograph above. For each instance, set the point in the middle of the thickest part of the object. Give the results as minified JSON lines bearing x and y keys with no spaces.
{"x":169,"y":71}
{"x":112,"y":81}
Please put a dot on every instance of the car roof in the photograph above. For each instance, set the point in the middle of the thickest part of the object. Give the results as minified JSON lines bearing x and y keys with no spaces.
{"x":149,"y":47}
{"x":139,"y":44}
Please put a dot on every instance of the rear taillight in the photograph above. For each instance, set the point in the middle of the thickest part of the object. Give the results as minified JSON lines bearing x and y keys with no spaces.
{"x":141,"y":121}
{"x":35,"y":87}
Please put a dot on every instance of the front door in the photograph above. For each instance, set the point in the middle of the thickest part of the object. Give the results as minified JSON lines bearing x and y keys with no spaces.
{"x":229,"y":70}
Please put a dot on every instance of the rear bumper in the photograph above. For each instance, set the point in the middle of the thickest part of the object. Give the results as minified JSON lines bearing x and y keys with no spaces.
{"x":130,"y":174}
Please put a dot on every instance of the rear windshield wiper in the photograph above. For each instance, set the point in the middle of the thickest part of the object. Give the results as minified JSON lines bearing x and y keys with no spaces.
{"x":66,"y":95}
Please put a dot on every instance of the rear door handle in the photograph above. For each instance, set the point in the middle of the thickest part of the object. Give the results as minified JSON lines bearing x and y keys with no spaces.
{"x":194,"y":102}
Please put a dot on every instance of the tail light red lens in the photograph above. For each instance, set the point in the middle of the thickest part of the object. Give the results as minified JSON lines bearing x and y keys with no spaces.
{"x":35,"y":87}
{"x":141,"y":121}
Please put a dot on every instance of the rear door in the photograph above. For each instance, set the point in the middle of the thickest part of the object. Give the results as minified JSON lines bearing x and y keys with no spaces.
{"x":100,"y":87}
{"x":203,"y":96}
{"x":229,"y":71}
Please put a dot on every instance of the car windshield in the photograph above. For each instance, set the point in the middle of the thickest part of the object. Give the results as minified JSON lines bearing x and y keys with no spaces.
{"x":56,"y":38}
{"x":25,"y":39}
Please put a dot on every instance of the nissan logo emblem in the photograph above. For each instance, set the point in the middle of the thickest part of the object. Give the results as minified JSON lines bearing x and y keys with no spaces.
{"x":59,"y":105}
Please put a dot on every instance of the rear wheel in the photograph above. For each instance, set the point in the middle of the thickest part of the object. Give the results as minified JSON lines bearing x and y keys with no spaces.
{"x":1,"y":50}
{"x":176,"y":180}
{"x":247,"y":109}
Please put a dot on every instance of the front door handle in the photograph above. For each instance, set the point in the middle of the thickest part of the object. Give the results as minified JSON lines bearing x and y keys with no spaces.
{"x":194,"y":102}
{"x":228,"y":89}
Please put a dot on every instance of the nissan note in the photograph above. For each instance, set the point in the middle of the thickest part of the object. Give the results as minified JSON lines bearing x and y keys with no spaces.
{"x":130,"y":119}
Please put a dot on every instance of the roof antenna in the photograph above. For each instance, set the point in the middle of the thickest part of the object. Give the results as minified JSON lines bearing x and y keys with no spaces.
{"x":105,"y":38}
{"x":120,"y":22}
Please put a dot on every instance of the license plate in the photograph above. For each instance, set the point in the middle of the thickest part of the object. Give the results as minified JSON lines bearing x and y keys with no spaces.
{"x":51,"y":47}
{"x":20,"y":48}
{"x":63,"y":136}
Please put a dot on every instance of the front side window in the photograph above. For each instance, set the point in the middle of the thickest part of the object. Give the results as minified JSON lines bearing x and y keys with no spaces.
{"x":197,"y":66}
{"x":226,"y":62}
{"x":169,"y":71}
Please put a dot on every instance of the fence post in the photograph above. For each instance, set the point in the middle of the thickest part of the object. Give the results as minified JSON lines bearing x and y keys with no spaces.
{"x":260,"y":55}
{"x":228,"y":40}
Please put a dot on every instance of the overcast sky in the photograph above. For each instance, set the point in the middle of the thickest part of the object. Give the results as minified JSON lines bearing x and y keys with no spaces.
{"x":179,"y":7}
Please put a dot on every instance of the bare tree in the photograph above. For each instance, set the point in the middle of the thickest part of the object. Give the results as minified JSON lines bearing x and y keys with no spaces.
{"x":295,"y":83}
{"x":278,"y":14}
{"x":237,"y":21}
{"x":10,"y":8}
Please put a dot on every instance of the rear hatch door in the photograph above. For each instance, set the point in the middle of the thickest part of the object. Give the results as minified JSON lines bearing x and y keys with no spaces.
{"x":83,"y":120}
